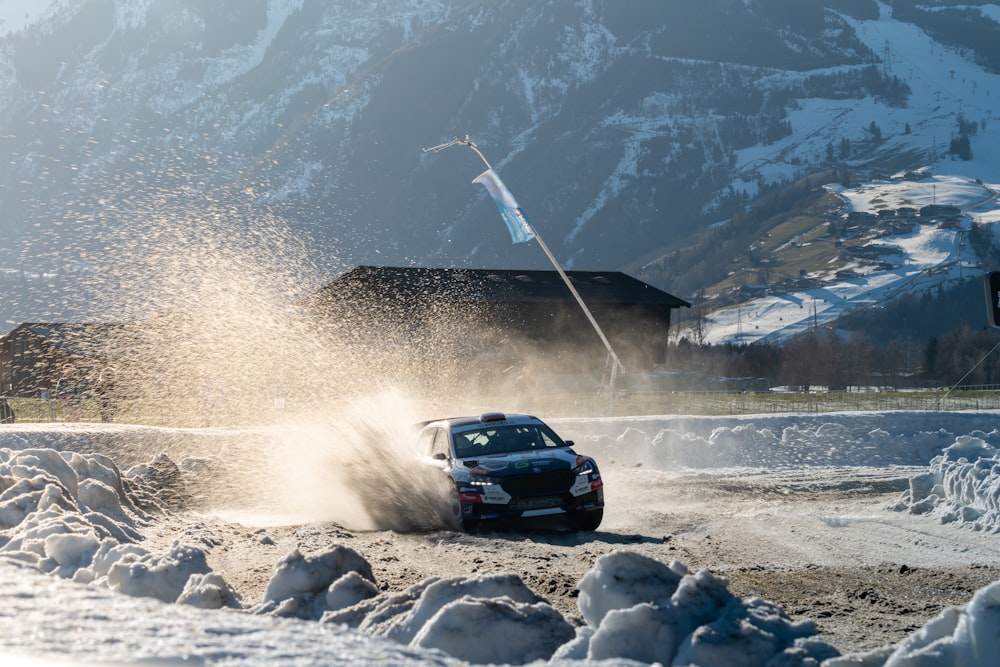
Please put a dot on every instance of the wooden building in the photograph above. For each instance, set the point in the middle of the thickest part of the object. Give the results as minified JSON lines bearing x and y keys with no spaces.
{"x":34,"y":355}
{"x":509,"y":314}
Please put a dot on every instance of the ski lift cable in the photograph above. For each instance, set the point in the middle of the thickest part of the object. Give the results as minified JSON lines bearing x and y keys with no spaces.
{"x":974,"y":367}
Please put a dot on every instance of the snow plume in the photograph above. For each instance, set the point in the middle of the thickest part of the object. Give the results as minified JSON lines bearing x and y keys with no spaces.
{"x":208,"y":333}
{"x":354,"y":466}
{"x":377,"y":459}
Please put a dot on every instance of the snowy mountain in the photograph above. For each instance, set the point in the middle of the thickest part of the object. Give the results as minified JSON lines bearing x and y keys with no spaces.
{"x":140,"y":129}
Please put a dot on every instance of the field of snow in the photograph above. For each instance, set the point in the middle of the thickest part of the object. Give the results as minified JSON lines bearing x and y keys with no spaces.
{"x":81,"y":587}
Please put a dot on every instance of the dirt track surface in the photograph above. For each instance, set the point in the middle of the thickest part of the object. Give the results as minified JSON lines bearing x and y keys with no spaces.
{"x":824,"y":545}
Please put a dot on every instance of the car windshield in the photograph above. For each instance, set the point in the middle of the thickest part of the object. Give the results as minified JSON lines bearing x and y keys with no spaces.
{"x":504,"y":440}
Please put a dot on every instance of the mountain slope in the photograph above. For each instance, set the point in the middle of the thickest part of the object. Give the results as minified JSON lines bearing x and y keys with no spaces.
{"x":137,"y":128}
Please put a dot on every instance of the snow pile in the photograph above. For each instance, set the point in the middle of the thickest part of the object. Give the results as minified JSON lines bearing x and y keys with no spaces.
{"x":58,"y":510}
{"x":641,"y":609}
{"x":962,"y":486}
{"x":307,"y":587}
{"x":453,"y":615}
{"x":76,"y":516}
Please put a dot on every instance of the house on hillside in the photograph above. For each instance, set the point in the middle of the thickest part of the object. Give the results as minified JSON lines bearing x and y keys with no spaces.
{"x":34,"y":355}
{"x":504,"y":317}
{"x":859,"y":218}
{"x":940,"y":211}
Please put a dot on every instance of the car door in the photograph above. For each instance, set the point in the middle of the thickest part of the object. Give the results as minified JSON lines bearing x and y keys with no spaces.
{"x":435,"y":443}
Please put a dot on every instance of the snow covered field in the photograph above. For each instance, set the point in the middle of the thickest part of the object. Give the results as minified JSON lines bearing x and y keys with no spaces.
{"x":82,"y":587}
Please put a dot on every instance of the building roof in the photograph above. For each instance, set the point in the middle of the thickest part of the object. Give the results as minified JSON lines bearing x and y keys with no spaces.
{"x":499,"y":286}
{"x":77,"y":339}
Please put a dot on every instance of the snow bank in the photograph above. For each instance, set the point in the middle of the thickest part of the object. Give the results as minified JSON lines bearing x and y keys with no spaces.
{"x":962,"y":486}
{"x":635,"y":607}
{"x":782,"y":441}
{"x":76,"y":516}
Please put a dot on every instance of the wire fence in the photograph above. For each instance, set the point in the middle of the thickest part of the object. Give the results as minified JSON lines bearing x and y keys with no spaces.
{"x":723,"y":403}
{"x":181,"y":413}
{"x":729,"y":403}
{"x":261,"y":410}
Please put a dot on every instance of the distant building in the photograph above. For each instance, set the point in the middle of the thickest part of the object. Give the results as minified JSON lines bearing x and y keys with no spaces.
{"x":940,"y":211}
{"x":33,"y":355}
{"x":860,"y":217}
{"x":512,"y":314}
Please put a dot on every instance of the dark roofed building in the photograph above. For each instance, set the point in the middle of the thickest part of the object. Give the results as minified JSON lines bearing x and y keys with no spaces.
{"x":33,"y":354}
{"x":940,"y":211}
{"x":502,"y":307}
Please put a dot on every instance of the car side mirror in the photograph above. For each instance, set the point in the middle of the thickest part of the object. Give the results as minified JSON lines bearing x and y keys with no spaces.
{"x":440,"y":456}
{"x":569,"y":443}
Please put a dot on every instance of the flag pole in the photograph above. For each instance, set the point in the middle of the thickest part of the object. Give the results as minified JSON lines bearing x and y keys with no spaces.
{"x":617,"y":364}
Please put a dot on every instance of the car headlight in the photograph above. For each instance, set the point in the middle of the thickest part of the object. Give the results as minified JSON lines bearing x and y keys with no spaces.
{"x":585,"y":468}
{"x":483,"y":481}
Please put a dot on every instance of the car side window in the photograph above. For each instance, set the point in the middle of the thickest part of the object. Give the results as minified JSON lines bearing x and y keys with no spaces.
{"x":549,"y":439}
{"x":440,"y":444}
{"x":425,"y":442}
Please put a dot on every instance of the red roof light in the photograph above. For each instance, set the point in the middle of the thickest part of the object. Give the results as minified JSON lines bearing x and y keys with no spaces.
{"x":493,"y":417}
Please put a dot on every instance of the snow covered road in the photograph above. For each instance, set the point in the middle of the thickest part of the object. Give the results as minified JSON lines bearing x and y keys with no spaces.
{"x":869,"y":524}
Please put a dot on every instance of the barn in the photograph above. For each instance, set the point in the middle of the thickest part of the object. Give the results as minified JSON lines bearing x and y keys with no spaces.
{"x":513,"y":316}
{"x":34,"y":354}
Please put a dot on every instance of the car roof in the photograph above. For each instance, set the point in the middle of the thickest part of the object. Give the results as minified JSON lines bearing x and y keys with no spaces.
{"x":485,"y":420}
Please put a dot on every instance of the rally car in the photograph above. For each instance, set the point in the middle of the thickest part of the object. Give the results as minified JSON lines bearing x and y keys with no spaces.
{"x":514,"y":467}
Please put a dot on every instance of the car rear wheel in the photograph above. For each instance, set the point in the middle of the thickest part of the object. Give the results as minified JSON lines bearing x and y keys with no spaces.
{"x":589,"y":521}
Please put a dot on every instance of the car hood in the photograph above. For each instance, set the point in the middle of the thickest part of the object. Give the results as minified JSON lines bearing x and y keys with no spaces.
{"x":519,"y":463}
